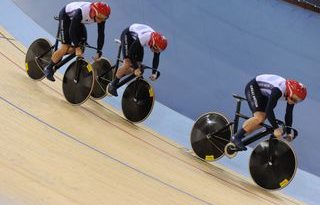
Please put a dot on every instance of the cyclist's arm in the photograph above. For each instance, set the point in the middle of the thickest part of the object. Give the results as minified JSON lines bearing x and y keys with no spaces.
{"x":101,"y":36}
{"x":133,"y":52}
{"x":155,"y":61}
{"x":75,"y":27}
{"x":288,"y":115}
{"x":272,"y":102}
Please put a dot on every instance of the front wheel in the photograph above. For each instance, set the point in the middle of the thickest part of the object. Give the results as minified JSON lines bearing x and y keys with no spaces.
{"x":137,"y":100}
{"x":273,"y":164}
{"x":209,"y":136}
{"x":77,"y":89}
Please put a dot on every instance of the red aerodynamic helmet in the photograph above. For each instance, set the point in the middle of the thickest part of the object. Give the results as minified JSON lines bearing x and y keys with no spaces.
{"x":295,"y":88}
{"x":158,"y":40}
{"x":101,"y":9}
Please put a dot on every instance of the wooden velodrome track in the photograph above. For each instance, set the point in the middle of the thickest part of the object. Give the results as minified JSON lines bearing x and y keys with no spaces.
{"x":55,"y":153}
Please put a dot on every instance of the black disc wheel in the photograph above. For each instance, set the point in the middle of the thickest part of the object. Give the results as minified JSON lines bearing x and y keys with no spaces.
{"x":104,"y":73}
{"x":77,"y":89}
{"x":38,"y":56}
{"x":137,"y":100}
{"x":273,"y":164}
{"x":209,"y":136}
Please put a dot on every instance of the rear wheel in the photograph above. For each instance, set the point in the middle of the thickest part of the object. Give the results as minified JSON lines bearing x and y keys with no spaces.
{"x":104,"y":74}
{"x":209,"y":136}
{"x":37,"y":58}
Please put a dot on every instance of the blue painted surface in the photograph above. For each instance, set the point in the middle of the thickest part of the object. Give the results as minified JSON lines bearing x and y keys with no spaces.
{"x":219,"y":54}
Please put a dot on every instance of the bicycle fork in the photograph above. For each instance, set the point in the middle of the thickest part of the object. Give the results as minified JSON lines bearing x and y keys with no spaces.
{"x":78,"y":70}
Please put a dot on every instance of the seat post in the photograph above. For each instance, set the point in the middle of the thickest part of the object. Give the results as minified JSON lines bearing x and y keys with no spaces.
{"x":236,"y":116}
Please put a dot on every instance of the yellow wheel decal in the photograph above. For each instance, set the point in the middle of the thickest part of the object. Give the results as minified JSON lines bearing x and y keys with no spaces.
{"x":151,"y":93}
{"x":209,"y":158}
{"x":89,"y":68}
{"x":284,"y":183}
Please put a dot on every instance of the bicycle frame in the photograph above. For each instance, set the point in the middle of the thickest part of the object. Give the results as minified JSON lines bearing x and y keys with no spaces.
{"x":116,"y":66}
{"x":55,"y":48}
{"x":235,"y":123}
{"x":68,"y":57}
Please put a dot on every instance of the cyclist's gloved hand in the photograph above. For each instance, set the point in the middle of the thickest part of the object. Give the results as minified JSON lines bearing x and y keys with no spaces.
{"x":155,"y":75}
{"x":289,"y":137}
{"x":138,"y":72}
{"x":290,"y":134}
{"x":278,"y":132}
{"x":98,"y":55}
{"x":79,"y":52}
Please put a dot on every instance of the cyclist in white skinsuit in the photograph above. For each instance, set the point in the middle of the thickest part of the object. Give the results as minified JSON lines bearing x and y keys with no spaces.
{"x":133,"y":40}
{"x":263,"y":93}
{"x":73,"y":18}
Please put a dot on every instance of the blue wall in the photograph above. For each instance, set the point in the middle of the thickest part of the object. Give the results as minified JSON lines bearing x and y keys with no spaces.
{"x":215,"y":48}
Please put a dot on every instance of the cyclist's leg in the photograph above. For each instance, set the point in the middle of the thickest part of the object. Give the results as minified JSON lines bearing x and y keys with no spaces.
{"x":254,"y":122}
{"x":139,"y":59}
{"x":82,"y":35}
{"x":56,"y":57}
{"x":71,"y":50}
{"x":125,"y":69}
{"x":58,"y":54}
{"x":257,"y":105}
{"x":126,"y":42}
{"x":65,"y":45}
{"x":64,"y":37}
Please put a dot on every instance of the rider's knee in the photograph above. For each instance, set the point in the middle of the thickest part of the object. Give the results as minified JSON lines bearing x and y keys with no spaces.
{"x":71,"y":50}
{"x":124,"y":69}
{"x":259,"y":119}
{"x":64,"y":49}
{"x":127,"y":64}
